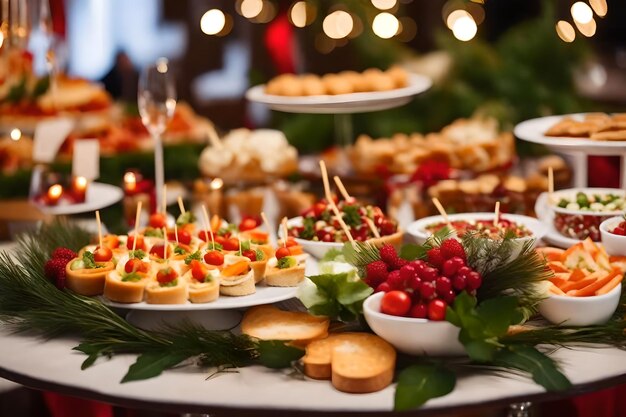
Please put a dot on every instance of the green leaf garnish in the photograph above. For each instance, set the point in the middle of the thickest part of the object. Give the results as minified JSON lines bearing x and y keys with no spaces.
{"x":185,"y":218}
{"x":419,"y":383}
{"x":151,"y":364}
{"x":132,"y":277}
{"x":89,"y":261}
{"x":196,"y":256}
{"x":260,"y":255}
{"x":339,"y":296}
{"x":276,"y":354}
{"x":308,"y":232}
{"x":152,"y":232}
{"x":179,"y":250}
{"x":136,"y":254}
{"x":542,"y":369}
{"x":351,"y":215}
{"x":286,"y":262}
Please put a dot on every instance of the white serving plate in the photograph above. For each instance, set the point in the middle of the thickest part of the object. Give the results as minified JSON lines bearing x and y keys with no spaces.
{"x":413,"y":336}
{"x":342,"y":103}
{"x":615,"y":245}
{"x":417,"y":229}
{"x":98,"y":196}
{"x":533,"y":130}
{"x":313,"y":248}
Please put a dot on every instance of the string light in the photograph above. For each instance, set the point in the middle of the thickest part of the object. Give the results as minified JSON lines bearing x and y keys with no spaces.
{"x":599,"y":7}
{"x":251,"y":8}
{"x":408,"y":29}
{"x":565,"y":31}
{"x":15,"y":134}
{"x":464,"y":28}
{"x":212,"y":22}
{"x":338,"y":24}
{"x":581,"y":13}
{"x":385,"y":25}
{"x":384,"y":4}
{"x":298,"y":14}
{"x":454,"y":16}
{"x":587,"y":29}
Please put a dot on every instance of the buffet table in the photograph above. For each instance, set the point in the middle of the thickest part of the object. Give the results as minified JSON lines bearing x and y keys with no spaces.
{"x":53,"y":366}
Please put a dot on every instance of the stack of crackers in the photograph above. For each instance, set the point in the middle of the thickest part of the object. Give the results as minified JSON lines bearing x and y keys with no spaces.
{"x":595,"y":126}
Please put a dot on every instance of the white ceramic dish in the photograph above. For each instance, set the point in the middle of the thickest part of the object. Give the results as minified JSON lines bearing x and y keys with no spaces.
{"x":342,"y":103}
{"x":417,"y":230}
{"x":413,"y":336}
{"x":615,"y":245}
{"x":580,"y":311}
{"x":546,"y":216}
{"x":533,"y":130}
{"x":98,"y":196}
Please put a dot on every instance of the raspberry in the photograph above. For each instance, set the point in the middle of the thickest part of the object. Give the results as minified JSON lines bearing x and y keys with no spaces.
{"x":60,"y":281}
{"x":388,"y":254}
{"x":376,"y":272}
{"x":451,"y":248}
{"x":54,"y":269}
{"x":63,"y":253}
{"x":435,"y":257}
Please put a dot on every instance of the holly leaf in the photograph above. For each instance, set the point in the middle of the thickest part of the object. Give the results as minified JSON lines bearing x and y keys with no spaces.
{"x":540,"y":366}
{"x":419,"y":383}
{"x":410,"y":252}
{"x":276,"y":354}
{"x":151,"y":364}
{"x":498,"y":314}
{"x":341,"y":296}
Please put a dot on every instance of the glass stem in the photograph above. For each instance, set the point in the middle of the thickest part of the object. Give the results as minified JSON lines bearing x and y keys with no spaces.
{"x":159,"y":175}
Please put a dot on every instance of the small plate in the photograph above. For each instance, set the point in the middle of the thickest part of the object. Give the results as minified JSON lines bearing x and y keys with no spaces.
{"x":98,"y":196}
{"x":342,"y":103}
{"x":533,"y":130}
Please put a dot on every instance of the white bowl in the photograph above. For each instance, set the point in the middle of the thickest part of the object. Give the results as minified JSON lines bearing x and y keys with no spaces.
{"x":615,"y":245}
{"x":413,"y":336}
{"x":417,"y":230}
{"x":580,"y":311}
{"x":318,"y":249}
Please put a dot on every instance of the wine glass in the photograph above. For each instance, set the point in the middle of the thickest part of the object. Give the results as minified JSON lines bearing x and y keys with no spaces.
{"x":157,"y":100}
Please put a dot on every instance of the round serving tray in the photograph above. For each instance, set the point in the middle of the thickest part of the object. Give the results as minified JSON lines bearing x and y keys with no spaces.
{"x":98,"y":196}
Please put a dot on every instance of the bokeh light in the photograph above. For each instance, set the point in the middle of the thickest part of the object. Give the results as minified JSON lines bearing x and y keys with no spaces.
{"x":454,"y":16}
{"x":384,"y":4}
{"x":16,"y":134}
{"x":385,"y":25}
{"x":408,"y":29}
{"x":300,"y":14}
{"x":338,"y":24}
{"x":464,"y":28}
{"x":565,"y":31}
{"x":587,"y":29}
{"x":599,"y":7}
{"x":251,"y":8}
{"x":212,"y":22}
{"x":581,"y":12}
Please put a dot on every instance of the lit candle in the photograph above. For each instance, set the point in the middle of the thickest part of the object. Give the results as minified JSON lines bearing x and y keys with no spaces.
{"x":130,"y":182}
{"x":54,"y":194}
{"x":79,"y":188}
{"x":16,"y":134}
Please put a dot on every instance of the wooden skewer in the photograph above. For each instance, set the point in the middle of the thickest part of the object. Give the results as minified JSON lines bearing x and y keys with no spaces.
{"x":214,"y":138}
{"x":266,"y":221}
{"x":550,"y":185}
{"x":343,"y":224}
{"x":285,"y":231}
{"x":165,"y":245}
{"x":442,"y":211}
{"x":136,"y":225}
{"x":341,"y":188}
{"x":176,"y":233}
{"x":373,"y":227}
{"x":99,"y":228}
{"x":164,"y":201}
{"x":325,"y":181}
{"x":496,"y":218}
{"x":207,"y":225}
{"x":181,"y":206}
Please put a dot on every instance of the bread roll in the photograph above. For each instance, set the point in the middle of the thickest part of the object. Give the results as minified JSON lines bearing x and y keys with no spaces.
{"x":158,"y":294}
{"x":124,"y":291}
{"x":87,"y":281}
{"x":203,"y":292}
{"x":336,"y":85}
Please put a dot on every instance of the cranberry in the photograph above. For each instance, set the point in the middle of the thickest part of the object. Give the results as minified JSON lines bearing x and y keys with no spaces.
{"x":395,"y":280}
{"x":459,"y":282}
{"x":474,"y":280}
{"x":452,"y":265}
{"x":448,"y":297}
{"x":429,"y":274}
{"x":463,"y":271}
{"x":443,"y":285}
{"x":387,"y":228}
{"x":427,"y":290}
{"x":437,"y":310}
{"x":418,"y":311}
{"x":415,"y":283}
{"x":407,"y":272}
{"x":327,"y":238}
{"x":384,"y":287}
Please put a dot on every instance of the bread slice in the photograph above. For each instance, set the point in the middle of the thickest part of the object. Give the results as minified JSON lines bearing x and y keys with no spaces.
{"x":259,"y":267}
{"x":202,"y":292}
{"x":267,"y":322}
{"x":87,"y":281}
{"x":354,"y":362}
{"x":287,"y":277}
{"x":245,"y":286}
{"x":177,"y":294}
{"x":124,"y":292}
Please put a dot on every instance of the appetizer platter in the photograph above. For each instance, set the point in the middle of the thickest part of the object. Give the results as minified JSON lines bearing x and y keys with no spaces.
{"x":346,"y":100}
{"x":572,"y":215}
{"x":542,"y":130}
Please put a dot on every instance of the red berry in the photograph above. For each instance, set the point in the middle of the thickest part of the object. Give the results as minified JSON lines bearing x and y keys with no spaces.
{"x":451,"y":248}
{"x":464,"y":271}
{"x":427,"y":291}
{"x":318,"y":209}
{"x":327,"y":238}
{"x":63,"y":253}
{"x":459,"y":282}
{"x":214,"y":257}
{"x":474,"y":280}
{"x":443,"y":285}
{"x":388,"y":254}
{"x":418,"y":265}
{"x":383,"y":287}
{"x":53,"y":268}
{"x":435,"y":257}
{"x":407,"y":272}
{"x":387,"y":228}
{"x":418,"y":311}
{"x":376,"y":272}
{"x":448,"y":297}
{"x":396,"y":281}
{"x":396,"y":303}
{"x":415,"y":283}
{"x":437,"y":310}
{"x":429,"y":274}
{"x":452,"y":265}
{"x":282,"y":252}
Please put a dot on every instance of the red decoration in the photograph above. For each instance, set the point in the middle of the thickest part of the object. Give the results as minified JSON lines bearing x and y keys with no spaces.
{"x":279,"y":43}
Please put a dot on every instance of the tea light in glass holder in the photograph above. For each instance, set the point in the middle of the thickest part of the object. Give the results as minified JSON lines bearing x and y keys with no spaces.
{"x":54,"y":194}
{"x":79,"y":188}
{"x":130,"y":182}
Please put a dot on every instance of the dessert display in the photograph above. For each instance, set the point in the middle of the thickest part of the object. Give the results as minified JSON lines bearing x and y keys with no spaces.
{"x":594,"y":126}
{"x":249,"y":155}
{"x":473,"y":144}
{"x":345,"y":82}
{"x":584,"y":270}
{"x":578,"y":213}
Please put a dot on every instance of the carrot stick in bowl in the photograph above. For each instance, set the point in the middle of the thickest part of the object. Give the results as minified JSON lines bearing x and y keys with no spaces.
{"x":591,"y":289}
{"x":610,"y":285}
